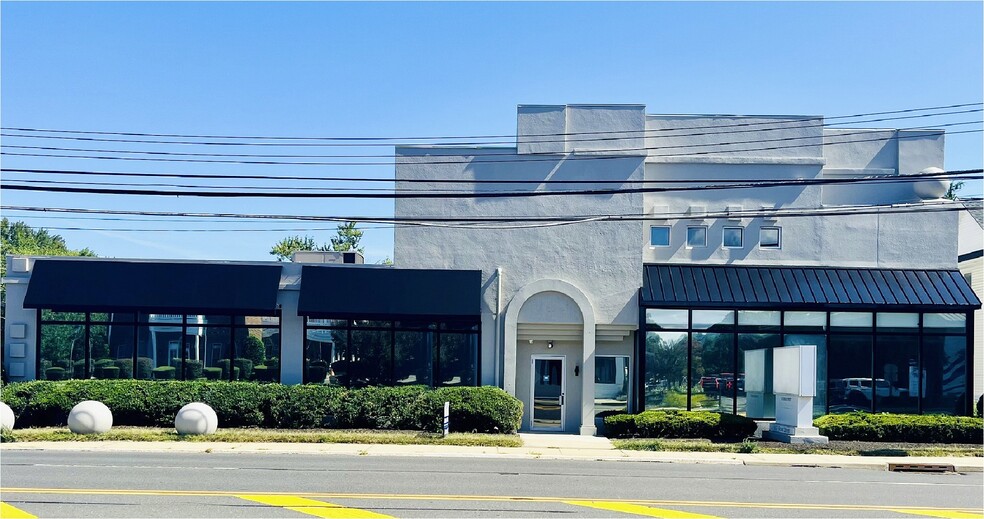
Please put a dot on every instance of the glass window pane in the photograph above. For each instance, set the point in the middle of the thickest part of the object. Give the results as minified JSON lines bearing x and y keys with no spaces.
{"x":667,"y":319}
{"x":257,"y":354}
{"x":325,"y":357}
{"x":759,"y":320}
{"x":659,"y":236}
{"x":414,"y":362}
{"x":267,"y":321}
{"x":75,"y":317}
{"x":458,"y":359}
{"x":763,"y":403}
{"x":208,"y":319}
{"x":108,"y":360}
{"x":802,"y":322}
{"x":371,"y":358}
{"x":850,"y":322}
{"x":896,"y":362}
{"x":460,"y":326}
{"x":367,"y":323}
{"x":63,"y":351}
{"x":116,"y":317}
{"x":666,"y":370}
{"x":159,"y":349}
{"x":327,"y":322}
{"x":208,"y":355}
{"x":612,"y":383}
{"x":697,"y":236}
{"x":714,"y":320}
{"x":415,"y":325}
{"x":770,"y":238}
{"x":820,"y":341}
{"x":733,"y":237}
{"x":893,"y":322}
{"x":713,"y":383}
{"x":945,"y":323}
{"x":944,"y":374}
{"x":849,"y":364}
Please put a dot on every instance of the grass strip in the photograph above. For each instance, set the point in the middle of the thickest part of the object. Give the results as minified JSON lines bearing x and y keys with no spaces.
{"x":674,"y":445}
{"x":152,"y":434}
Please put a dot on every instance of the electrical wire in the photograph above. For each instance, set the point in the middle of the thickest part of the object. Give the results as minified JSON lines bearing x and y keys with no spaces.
{"x":394,"y":156}
{"x":475,"y":194}
{"x":347,"y":139}
{"x":477,"y":158}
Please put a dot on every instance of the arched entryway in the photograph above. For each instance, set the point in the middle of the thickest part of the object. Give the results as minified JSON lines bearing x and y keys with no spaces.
{"x":550,"y":349}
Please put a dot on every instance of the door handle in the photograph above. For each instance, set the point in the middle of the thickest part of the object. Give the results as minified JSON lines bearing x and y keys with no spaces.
{"x":561,"y":399}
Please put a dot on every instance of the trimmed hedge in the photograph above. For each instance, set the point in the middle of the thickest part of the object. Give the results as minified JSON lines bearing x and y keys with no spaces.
{"x":241,"y":404}
{"x":886,"y":427}
{"x":679,"y":424}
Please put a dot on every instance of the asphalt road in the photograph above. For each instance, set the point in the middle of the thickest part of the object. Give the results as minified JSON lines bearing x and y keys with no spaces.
{"x":87,"y":484}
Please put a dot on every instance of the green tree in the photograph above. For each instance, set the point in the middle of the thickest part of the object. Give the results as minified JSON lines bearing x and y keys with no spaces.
{"x":286,"y":247}
{"x":951,"y":192}
{"x":347,"y":238}
{"x":20,"y":238}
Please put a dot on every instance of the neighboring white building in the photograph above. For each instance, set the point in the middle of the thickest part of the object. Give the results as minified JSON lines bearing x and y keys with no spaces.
{"x":971,"y":262}
{"x":572,"y":292}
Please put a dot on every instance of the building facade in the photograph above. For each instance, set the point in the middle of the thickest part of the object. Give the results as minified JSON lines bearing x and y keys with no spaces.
{"x":700,"y":238}
{"x":670,"y":295}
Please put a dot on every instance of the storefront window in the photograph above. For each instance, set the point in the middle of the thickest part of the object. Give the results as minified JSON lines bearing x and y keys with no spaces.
{"x":849,"y":387}
{"x":713,"y":382}
{"x":663,"y":319}
{"x":612,"y":385}
{"x":666,"y":370}
{"x":458,"y":358}
{"x":944,"y":360}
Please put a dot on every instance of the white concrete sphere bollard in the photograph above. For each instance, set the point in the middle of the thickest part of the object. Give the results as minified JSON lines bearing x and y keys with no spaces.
{"x":6,"y":417}
{"x":931,"y":188}
{"x":196,"y":418}
{"x":90,"y":417}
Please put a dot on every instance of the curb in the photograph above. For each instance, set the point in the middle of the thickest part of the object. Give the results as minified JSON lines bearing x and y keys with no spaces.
{"x":960,"y":464}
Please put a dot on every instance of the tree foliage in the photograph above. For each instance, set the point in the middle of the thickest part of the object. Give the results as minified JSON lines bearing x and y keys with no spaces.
{"x":951,"y":192}
{"x":347,"y":238}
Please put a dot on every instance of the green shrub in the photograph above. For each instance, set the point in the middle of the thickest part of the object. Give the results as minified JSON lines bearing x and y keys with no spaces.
{"x":55,"y":373}
{"x":245,"y":368}
{"x":107,"y":372}
{"x":126,"y":367}
{"x":254,"y":350}
{"x":316,"y":374}
{"x":212,"y":373}
{"x":145,"y":368}
{"x":679,"y":424}
{"x":192,"y":369}
{"x":98,"y":363}
{"x":262,"y":374}
{"x":64,"y":364}
{"x":243,"y":404}
{"x":163,"y":373}
{"x":902,"y":428}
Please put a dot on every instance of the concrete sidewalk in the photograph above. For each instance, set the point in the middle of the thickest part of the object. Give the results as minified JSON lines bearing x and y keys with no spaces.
{"x":536,"y":446}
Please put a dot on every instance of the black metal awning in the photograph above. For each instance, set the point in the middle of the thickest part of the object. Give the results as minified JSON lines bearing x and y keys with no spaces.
{"x":804,"y":287}
{"x":193,"y":288}
{"x":389,"y":293}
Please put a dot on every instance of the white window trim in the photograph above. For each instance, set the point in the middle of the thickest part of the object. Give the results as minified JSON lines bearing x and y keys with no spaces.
{"x":689,"y":246}
{"x":668,"y":232}
{"x":770,"y":247}
{"x":741,"y":235}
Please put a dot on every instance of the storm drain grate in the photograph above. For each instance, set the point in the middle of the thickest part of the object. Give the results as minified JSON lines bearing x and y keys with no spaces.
{"x":919,"y":467}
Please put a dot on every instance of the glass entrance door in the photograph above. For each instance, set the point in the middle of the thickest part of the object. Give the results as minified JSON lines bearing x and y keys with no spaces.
{"x":547,"y":393}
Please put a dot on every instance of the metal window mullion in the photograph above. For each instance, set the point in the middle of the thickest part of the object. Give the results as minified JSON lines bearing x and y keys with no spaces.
{"x":826,"y":361}
{"x":734,"y":341}
{"x":392,"y":363}
{"x":184,"y":346}
{"x":690,"y":353}
{"x":232,"y":347}
{"x":919,"y":367}
{"x":437,"y":358}
{"x":874,"y":359}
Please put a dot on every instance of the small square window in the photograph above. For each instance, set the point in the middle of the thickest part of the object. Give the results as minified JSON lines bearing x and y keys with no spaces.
{"x":659,"y":236}
{"x":770,"y":238}
{"x":733,"y":237}
{"x":697,"y":236}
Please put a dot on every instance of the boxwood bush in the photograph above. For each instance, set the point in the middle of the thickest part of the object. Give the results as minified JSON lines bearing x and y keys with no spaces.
{"x":887,"y":427}
{"x":679,"y":424}
{"x":242,"y":404}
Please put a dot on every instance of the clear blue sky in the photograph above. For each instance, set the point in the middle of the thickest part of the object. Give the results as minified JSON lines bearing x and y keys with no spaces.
{"x":395,"y":69}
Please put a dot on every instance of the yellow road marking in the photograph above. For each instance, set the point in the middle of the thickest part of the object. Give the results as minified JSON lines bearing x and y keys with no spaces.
{"x":945,"y":514}
{"x":647,"y":511}
{"x":12,"y":512}
{"x":454,"y":497}
{"x":311,"y":506}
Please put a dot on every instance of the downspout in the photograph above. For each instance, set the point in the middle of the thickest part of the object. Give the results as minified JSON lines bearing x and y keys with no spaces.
{"x":496,"y":349}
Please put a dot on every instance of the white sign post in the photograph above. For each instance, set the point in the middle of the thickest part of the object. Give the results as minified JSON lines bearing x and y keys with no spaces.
{"x":447,"y":418}
{"x":794,"y":381}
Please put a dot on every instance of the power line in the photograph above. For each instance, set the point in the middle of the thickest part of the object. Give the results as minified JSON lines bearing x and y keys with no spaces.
{"x":480,"y":223}
{"x":525,"y":140}
{"x":707,"y":184}
{"x":347,"y":139}
{"x":474,"y":194}
{"x":477,"y":158}
{"x":394,"y":156}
